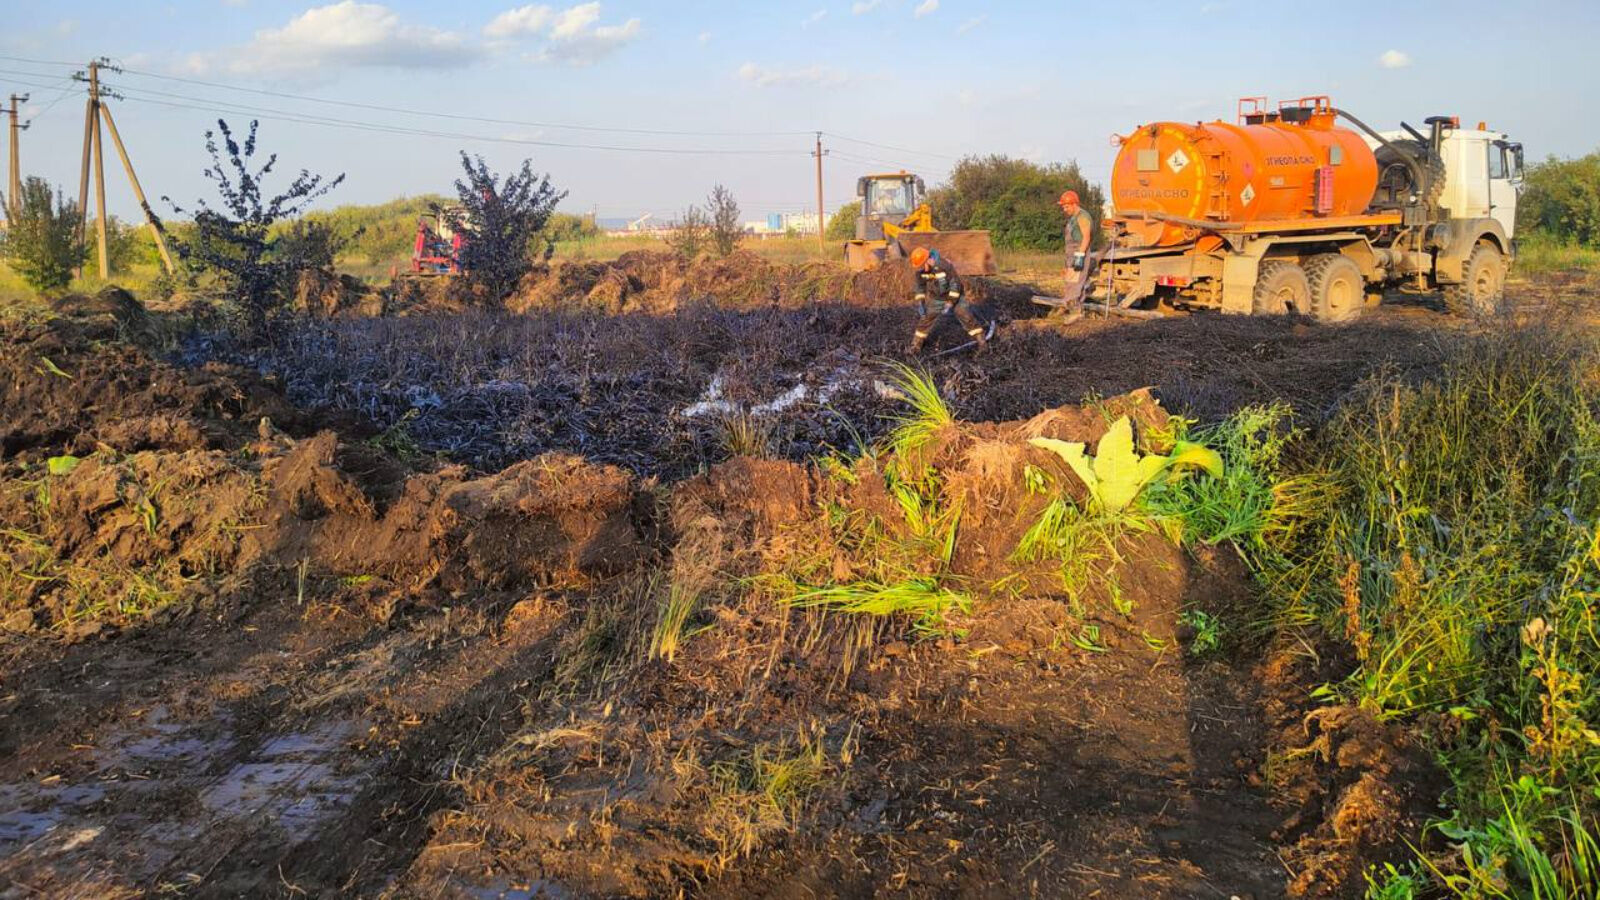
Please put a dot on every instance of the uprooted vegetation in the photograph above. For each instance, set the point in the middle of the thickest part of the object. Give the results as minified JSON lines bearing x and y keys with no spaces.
{"x":632,"y":659}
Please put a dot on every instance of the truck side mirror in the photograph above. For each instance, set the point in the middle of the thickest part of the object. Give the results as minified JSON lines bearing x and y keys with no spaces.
{"x":1516,"y":161}
{"x":861,"y":189}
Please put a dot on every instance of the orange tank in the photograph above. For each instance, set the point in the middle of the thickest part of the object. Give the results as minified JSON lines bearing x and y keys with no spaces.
{"x":1291,"y":164}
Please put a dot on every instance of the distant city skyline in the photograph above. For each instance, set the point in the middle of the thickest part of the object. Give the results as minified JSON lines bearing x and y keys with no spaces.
{"x":636,"y":107}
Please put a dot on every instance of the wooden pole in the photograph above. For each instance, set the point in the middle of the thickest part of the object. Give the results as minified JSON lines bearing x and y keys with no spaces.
{"x":822,"y":223}
{"x":127,"y":166}
{"x":83,"y":177}
{"x":99,"y":169}
{"x":14,"y":191}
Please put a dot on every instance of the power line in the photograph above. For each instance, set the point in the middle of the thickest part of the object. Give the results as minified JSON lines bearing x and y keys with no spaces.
{"x":223,"y":107}
{"x":42,"y":62}
{"x":840,"y":137}
{"x":464,"y":118}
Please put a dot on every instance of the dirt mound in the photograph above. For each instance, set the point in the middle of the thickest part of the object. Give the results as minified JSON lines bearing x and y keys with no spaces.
{"x":321,"y":294}
{"x":147,"y":527}
{"x":653,"y":281}
{"x":770,"y":728}
{"x":113,"y":307}
{"x":68,"y":386}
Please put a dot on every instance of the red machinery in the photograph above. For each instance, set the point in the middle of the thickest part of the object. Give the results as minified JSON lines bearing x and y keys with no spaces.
{"x":437,"y":250}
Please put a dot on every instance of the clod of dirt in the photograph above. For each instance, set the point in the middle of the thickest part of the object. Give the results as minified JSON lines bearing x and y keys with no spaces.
{"x":1356,"y":787}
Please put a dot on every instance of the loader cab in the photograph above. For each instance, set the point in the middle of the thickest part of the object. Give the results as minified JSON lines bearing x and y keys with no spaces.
{"x":885,"y":198}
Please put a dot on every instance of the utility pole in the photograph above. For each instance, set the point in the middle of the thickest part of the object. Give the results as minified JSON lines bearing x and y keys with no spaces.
{"x":99,"y":169}
{"x":96,"y":113}
{"x":14,"y":191}
{"x":822,"y":243}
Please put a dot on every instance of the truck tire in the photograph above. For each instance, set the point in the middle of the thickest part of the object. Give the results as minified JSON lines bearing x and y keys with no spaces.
{"x":1483,"y":284}
{"x":1391,"y":164}
{"x":1338,"y":291}
{"x":1281,"y":288}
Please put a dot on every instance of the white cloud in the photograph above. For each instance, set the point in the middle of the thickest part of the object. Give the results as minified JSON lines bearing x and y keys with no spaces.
{"x":863,"y":6}
{"x":705,"y":37}
{"x":1394,"y":59}
{"x":814,"y":18}
{"x":1031,"y":152}
{"x":574,"y":21}
{"x":966,"y":97}
{"x":812,"y":76}
{"x":341,"y":34}
{"x":572,"y":36}
{"x":972,"y":23}
{"x":523,"y":21}
{"x":926,"y":7}
{"x":66,"y":27}
{"x":236,"y":4}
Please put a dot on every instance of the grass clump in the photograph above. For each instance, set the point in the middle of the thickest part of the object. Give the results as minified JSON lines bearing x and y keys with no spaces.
{"x":760,"y":792}
{"x":928,"y":414}
{"x":1254,"y":502}
{"x":922,"y":599}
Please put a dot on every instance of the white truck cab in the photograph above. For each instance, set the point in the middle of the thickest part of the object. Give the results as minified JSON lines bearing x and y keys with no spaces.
{"x":1483,"y":174}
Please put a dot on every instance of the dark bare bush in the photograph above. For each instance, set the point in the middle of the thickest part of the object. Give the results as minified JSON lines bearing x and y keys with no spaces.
{"x":241,"y":242}
{"x":504,"y":217}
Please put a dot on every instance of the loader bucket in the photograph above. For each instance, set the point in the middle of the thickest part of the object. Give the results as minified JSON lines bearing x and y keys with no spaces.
{"x":862,"y":256}
{"x":971,"y":251}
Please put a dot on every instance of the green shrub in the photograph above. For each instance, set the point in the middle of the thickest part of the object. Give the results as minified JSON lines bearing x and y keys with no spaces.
{"x":41,"y":245}
{"x":842,"y":224}
{"x":1561,"y":200}
{"x":1014,"y":199}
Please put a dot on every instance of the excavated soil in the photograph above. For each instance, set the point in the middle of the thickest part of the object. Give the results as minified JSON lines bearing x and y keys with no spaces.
{"x":372,"y":613}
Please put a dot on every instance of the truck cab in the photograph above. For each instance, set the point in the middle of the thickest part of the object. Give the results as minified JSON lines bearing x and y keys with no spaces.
{"x":1483,"y":175}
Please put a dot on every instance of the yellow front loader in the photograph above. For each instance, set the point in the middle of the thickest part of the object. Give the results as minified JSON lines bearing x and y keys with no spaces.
{"x":895,"y":220}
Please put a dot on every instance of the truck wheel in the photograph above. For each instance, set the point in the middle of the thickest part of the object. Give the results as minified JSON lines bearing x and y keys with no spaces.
{"x":1483,"y":284}
{"x":1338,"y":292}
{"x":1281,"y":288}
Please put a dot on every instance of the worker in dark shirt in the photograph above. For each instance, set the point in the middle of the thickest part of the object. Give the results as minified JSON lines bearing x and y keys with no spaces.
{"x":1079,"y":233}
{"x":940,"y":293}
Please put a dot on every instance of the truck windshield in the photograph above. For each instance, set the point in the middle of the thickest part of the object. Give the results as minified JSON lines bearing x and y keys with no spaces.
{"x":888,"y":197}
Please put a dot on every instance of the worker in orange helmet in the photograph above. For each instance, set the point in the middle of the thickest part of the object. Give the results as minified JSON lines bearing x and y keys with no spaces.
{"x":1079,"y":233}
{"x":938,"y":281}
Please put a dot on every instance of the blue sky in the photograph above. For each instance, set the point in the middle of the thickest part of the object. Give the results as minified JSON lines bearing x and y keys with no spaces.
{"x":893,"y":83}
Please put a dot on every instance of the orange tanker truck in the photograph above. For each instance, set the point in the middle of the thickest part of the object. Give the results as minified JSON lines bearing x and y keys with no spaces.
{"x":1290,"y":210}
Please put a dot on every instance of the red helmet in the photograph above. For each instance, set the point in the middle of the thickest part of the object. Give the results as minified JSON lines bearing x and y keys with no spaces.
{"x":1068,"y":197}
{"x":919,"y":257}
